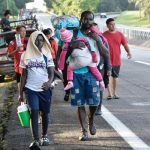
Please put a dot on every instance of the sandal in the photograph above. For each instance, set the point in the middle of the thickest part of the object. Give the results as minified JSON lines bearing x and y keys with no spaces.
{"x":84,"y":136}
{"x":66,"y":97}
{"x":116,"y":97}
{"x":109,"y":97}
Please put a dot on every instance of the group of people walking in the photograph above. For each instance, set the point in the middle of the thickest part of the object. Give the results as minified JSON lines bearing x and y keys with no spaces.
{"x":86,"y":59}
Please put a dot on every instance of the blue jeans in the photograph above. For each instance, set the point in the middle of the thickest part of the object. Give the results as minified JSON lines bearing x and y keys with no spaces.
{"x":39,"y":100}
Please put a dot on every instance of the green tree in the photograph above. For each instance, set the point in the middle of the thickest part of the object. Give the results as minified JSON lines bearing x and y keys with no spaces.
{"x":115,"y":5}
{"x":8,"y":4}
{"x":74,"y":7}
{"x":109,"y":6}
{"x":48,"y":3}
{"x":143,"y":5}
{"x":21,"y":3}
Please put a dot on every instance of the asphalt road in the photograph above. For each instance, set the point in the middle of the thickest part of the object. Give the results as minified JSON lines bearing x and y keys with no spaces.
{"x":132,"y":109}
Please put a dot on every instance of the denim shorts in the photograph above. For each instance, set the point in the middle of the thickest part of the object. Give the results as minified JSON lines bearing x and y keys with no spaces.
{"x":86,"y":90}
{"x":39,"y":100}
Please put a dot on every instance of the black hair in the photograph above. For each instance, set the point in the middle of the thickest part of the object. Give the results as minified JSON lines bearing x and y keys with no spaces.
{"x":7,"y":12}
{"x":109,"y":20}
{"x":85,"y":13}
{"x":95,"y":24}
{"x":47,"y":31}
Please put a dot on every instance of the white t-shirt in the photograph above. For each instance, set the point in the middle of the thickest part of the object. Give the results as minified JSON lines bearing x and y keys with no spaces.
{"x":37,"y":72}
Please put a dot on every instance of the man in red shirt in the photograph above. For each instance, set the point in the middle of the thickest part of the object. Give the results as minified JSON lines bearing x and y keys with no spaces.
{"x":115,"y":40}
{"x":16,"y":51}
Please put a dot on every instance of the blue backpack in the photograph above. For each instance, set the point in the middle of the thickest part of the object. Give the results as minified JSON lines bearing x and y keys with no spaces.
{"x":66,"y":21}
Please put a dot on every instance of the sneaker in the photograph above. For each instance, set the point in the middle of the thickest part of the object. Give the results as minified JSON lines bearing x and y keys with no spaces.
{"x":45,"y":141}
{"x":35,"y":145}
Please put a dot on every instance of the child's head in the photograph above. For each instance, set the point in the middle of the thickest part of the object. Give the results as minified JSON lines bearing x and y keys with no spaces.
{"x":48,"y":32}
{"x":66,"y":35}
{"x":21,"y":29}
{"x":94,"y":27}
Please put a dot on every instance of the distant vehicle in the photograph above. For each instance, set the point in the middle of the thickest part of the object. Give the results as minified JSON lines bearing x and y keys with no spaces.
{"x":103,"y":15}
{"x":6,"y":63}
{"x":25,"y":14}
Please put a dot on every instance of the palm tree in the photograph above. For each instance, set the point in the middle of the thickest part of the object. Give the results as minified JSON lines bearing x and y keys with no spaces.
{"x":144,"y":5}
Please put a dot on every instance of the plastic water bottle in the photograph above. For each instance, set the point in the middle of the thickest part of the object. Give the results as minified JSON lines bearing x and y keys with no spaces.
{"x":18,"y":40}
{"x":24,"y":115}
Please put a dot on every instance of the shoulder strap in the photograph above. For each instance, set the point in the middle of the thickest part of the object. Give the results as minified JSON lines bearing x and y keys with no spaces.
{"x":45,"y":59}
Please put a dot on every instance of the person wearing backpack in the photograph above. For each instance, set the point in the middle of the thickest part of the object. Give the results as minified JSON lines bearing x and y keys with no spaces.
{"x":86,"y":89}
{"x":79,"y":58}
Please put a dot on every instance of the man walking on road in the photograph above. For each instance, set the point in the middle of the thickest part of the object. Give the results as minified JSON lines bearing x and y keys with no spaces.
{"x":115,"y":40}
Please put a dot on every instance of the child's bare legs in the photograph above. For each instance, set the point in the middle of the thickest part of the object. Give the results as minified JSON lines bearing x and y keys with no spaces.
{"x":69,"y":78}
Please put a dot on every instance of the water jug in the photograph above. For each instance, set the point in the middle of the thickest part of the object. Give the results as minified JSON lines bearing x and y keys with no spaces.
{"x":24,"y":115}
{"x":18,"y":40}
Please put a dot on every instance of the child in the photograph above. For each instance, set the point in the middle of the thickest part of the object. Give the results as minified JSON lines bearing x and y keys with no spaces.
{"x":95,"y":29}
{"x":66,"y":37}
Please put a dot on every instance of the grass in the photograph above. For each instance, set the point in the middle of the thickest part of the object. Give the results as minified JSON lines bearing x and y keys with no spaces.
{"x":5,"y":111}
{"x":132,"y":18}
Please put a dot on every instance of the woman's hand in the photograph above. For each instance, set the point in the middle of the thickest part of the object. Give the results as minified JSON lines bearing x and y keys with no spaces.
{"x":46,"y":86}
{"x":20,"y":98}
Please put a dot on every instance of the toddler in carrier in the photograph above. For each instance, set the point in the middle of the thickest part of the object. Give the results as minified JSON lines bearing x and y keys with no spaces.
{"x":79,"y":58}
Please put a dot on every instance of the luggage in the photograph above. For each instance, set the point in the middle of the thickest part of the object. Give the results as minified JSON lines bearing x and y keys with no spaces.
{"x":66,"y":21}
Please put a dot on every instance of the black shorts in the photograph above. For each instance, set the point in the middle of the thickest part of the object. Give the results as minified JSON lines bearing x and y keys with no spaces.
{"x":115,"y":71}
{"x":17,"y":77}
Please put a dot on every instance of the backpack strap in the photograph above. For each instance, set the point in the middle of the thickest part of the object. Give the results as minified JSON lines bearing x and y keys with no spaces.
{"x":45,"y":59}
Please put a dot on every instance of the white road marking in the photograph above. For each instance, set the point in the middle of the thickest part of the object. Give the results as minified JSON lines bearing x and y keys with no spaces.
{"x":131,"y":138}
{"x":141,"y":104}
{"x":142,"y":62}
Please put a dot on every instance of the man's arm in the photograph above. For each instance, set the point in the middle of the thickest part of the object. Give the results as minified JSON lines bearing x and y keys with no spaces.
{"x":101,"y":47}
{"x":127,"y":49}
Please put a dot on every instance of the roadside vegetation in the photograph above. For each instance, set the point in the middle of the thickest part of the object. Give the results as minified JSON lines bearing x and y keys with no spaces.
{"x":133,"y":18}
{"x":7,"y":91}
